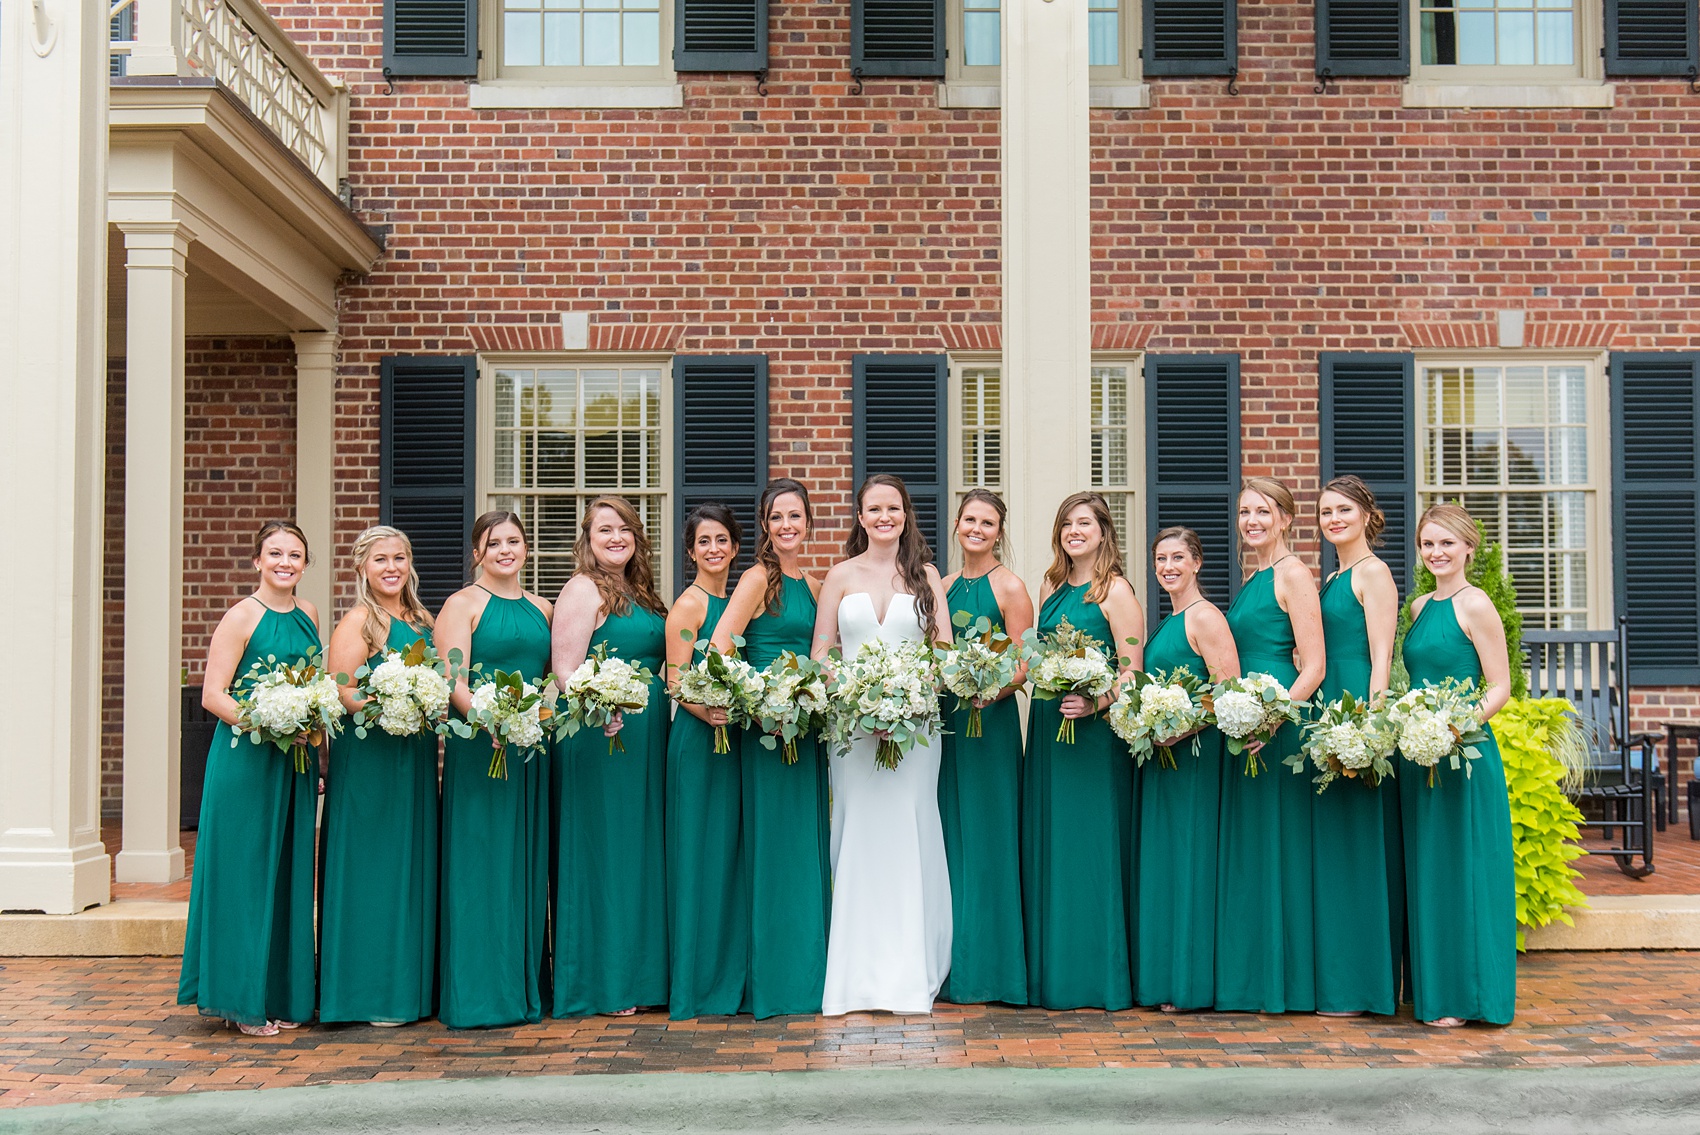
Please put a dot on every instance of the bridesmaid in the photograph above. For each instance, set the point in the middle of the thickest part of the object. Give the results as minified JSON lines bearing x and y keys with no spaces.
{"x":248,"y":954}
{"x":980,"y":778}
{"x":1077,"y":807}
{"x":786,"y":818}
{"x":708,"y":924}
{"x":610,"y":885}
{"x":1459,"y":888}
{"x":495,"y":868}
{"x":1265,"y":936}
{"x":378,"y":898}
{"x":1175,"y":931}
{"x":1360,"y":899}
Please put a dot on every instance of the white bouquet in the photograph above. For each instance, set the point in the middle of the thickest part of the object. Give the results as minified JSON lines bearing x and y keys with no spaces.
{"x":1069,"y":661}
{"x":291,"y":707}
{"x":1351,"y":739}
{"x":890,"y":689}
{"x":1439,"y":722}
{"x":406,"y":693}
{"x":793,"y":702}
{"x":979,"y":665}
{"x":1157,"y":707}
{"x":1249,"y":709}
{"x":512,"y":711}
{"x":602,"y":686}
{"x":721,"y":681}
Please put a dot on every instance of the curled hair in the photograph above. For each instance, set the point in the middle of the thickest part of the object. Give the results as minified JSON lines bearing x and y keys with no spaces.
{"x":1457,"y":522}
{"x":376,"y":627}
{"x":1108,"y":563}
{"x":483,"y":526}
{"x":1000,"y":546}
{"x":1189,"y":539}
{"x":719,"y":514}
{"x":773,"y":595}
{"x":271,"y":528}
{"x":913,"y":554}
{"x":636,"y":580}
{"x":1352,"y":487}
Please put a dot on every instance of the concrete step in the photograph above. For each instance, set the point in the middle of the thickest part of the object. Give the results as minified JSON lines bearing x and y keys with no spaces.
{"x":125,"y":928}
{"x":1626,"y":922}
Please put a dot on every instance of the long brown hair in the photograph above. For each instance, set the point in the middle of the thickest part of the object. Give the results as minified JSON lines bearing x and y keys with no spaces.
{"x":913,"y":554}
{"x":1352,"y":487}
{"x":1000,"y":546}
{"x":376,"y":627}
{"x":1108,"y":564}
{"x":773,"y":597}
{"x":637,"y":580}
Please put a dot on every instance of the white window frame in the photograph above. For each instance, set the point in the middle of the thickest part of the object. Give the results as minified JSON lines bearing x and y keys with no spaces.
{"x":502,"y":87}
{"x":1132,"y":538}
{"x":1578,"y":84}
{"x":1122,"y":85}
{"x":485,"y":462}
{"x":1598,"y":522}
{"x":955,"y":405}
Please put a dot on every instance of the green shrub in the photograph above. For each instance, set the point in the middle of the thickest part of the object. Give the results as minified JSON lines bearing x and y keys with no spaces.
{"x":1487,"y":571}
{"x":1538,"y":741}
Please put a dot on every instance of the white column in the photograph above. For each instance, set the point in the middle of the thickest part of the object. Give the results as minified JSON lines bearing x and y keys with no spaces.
{"x":1047,"y":257}
{"x":156,"y":270}
{"x":53,"y":99}
{"x":315,"y":465}
{"x":159,"y":38}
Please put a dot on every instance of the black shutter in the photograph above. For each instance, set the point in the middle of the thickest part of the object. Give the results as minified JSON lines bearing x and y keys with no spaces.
{"x":897,"y":37}
{"x":1191,"y":37}
{"x":1652,"y":37}
{"x":721,"y":403}
{"x":1363,"y":37}
{"x":426,"y":467}
{"x":897,"y":409}
{"x":1366,"y":411}
{"x":431,"y":37}
{"x":1656,"y":512}
{"x":1192,"y":462}
{"x":720,"y":35}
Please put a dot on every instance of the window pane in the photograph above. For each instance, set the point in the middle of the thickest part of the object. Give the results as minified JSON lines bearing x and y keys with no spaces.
{"x":1526,"y":456}
{"x":521,"y":40}
{"x":504,"y":458}
{"x":1517,"y":39}
{"x":1102,"y":46}
{"x":561,"y":47}
{"x":642,"y":46}
{"x":1556,"y":44}
{"x":980,"y":45}
{"x":601,"y":39}
{"x":557,"y":398}
{"x":1475,"y":38}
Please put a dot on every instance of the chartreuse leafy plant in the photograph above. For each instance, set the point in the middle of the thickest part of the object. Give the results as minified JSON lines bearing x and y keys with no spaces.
{"x":1543,"y":748}
{"x":1487,"y":571}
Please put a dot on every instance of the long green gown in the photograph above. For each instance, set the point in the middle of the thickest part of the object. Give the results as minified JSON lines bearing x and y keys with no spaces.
{"x":611,"y":860}
{"x":1460,"y":893}
{"x":378,"y":895}
{"x":787,"y":832}
{"x":708,"y":905}
{"x":980,"y":805}
{"x":495,"y":836}
{"x":1077,"y":843}
{"x":1265,"y":936}
{"x":248,"y":953}
{"x":1360,"y":899}
{"x":1178,"y":810}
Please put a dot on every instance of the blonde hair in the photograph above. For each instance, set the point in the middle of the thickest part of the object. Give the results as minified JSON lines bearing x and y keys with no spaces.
{"x":636,"y":580}
{"x":375,"y":629}
{"x":1456,"y":522}
{"x":1108,"y":564}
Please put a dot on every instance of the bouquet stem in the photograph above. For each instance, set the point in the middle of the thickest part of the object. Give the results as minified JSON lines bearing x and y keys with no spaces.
{"x":887,"y":755}
{"x":973,"y":729}
{"x":1431,"y":771}
{"x":499,"y":763}
{"x":789,"y":754}
{"x":1166,"y":757}
{"x":299,"y":752}
{"x":1253,"y":762}
{"x":614,"y":742}
{"x":1065,"y":731}
{"x":722,"y":743}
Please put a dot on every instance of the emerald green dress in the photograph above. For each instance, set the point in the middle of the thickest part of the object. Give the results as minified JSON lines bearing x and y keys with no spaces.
{"x":1459,"y":888}
{"x":610,"y":909}
{"x":495,"y":834}
{"x":1077,"y":843}
{"x":980,"y":805}
{"x":708,"y":905}
{"x":248,"y":953}
{"x":1265,"y":937}
{"x":1175,"y":940}
{"x":378,"y":894}
{"x":1360,"y":898}
{"x":787,"y":834}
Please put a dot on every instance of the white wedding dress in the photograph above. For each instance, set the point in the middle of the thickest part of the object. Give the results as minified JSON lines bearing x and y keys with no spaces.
{"x":889,"y":946}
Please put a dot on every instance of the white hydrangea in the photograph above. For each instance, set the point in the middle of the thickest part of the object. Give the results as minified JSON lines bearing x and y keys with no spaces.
{"x":1238,"y":713}
{"x":889,"y":689}
{"x":1425,"y":737}
{"x":390,"y":678}
{"x":431,"y":692}
{"x":1348,"y":745}
{"x":1157,"y":703}
{"x":484,"y":698}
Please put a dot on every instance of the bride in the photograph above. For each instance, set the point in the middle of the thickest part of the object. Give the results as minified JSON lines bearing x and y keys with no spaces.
{"x":889,"y":945}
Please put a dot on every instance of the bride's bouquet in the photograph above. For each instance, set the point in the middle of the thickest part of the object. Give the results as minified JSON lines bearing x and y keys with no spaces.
{"x":1439,"y":722}
{"x":1350,"y":738}
{"x":890,"y":689}
{"x":291,"y":707}
{"x":979,"y":665}
{"x":1157,"y":707}
{"x":1069,"y":661}
{"x":793,"y":702}
{"x":721,"y":681}
{"x":1249,"y":709}
{"x":512,"y":711}
{"x":601,"y":687}
{"x":406,"y":693}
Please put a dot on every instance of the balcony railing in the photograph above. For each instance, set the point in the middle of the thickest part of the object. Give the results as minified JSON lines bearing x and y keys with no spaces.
{"x":237,"y":43}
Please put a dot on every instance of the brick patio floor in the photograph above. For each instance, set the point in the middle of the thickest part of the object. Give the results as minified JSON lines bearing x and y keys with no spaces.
{"x":76,"y":1029}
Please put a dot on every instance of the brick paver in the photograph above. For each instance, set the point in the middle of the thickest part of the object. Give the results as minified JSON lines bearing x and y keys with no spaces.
{"x":95,"y":1028}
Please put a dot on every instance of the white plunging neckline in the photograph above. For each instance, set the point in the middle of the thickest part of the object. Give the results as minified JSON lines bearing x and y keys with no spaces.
{"x":879,"y":620}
